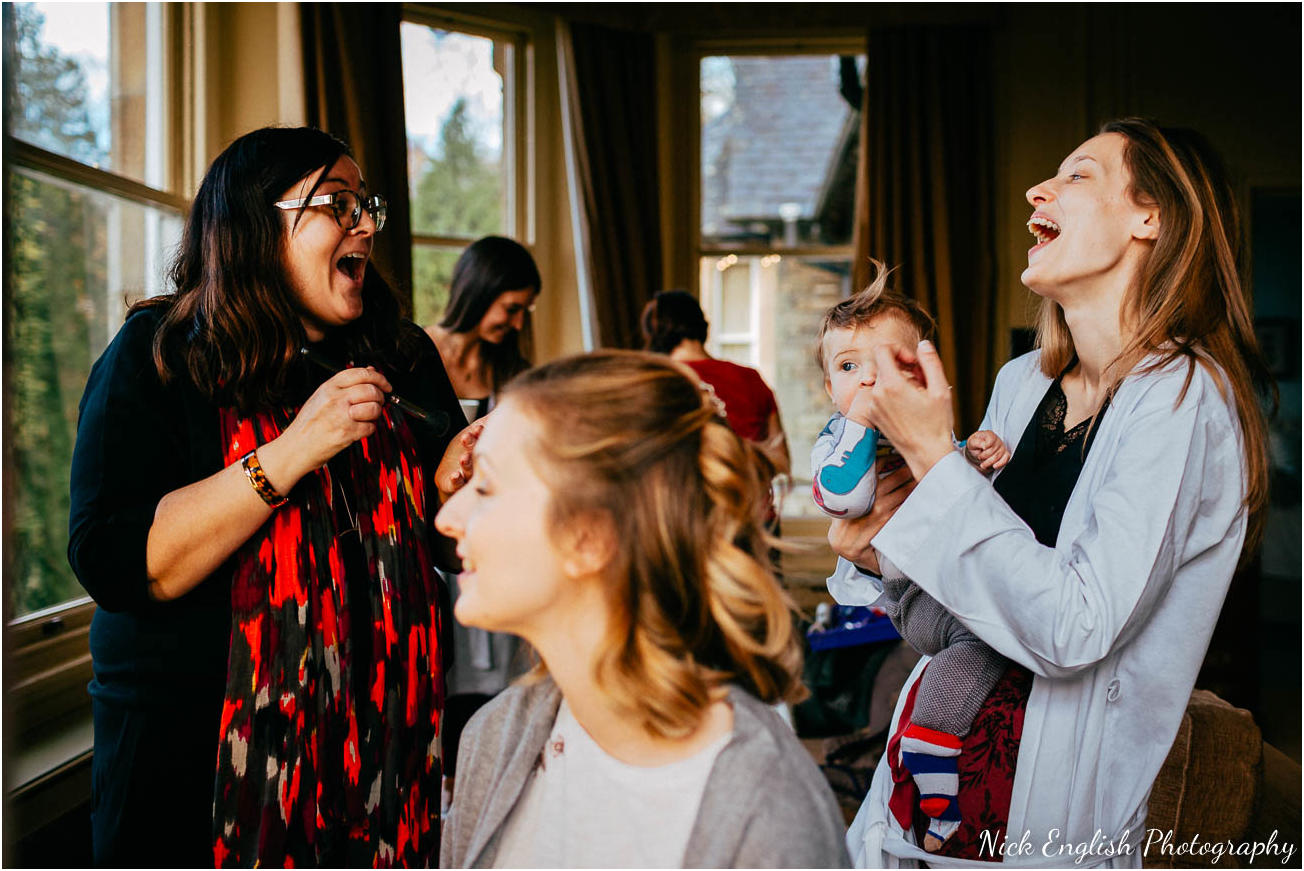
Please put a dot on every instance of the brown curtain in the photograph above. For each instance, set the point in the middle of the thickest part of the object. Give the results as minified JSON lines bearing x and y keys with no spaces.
{"x":613,"y":110}
{"x":353,"y":73}
{"x":925,"y":191}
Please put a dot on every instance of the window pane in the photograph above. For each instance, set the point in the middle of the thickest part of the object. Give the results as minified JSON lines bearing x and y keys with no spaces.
{"x":737,"y":352}
{"x":791,"y":306}
{"x":454,"y":93}
{"x":432,"y":273}
{"x":86,"y":81}
{"x":736,"y":298}
{"x":779,"y":145}
{"x":77,"y":257}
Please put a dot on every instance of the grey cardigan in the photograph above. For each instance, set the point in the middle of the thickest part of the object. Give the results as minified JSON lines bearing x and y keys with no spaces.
{"x":765,"y":805}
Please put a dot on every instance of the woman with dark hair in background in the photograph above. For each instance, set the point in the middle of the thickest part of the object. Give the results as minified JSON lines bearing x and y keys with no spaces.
{"x":494,"y":288}
{"x":673,"y":324}
{"x":1099,"y":558}
{"x":253,"y":494}
{"x":495,"y":284}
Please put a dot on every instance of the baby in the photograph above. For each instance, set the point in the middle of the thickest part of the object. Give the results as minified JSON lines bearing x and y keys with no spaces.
{"x":846,"y":462}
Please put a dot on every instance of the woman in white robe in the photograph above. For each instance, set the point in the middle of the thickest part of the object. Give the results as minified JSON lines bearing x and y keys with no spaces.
{"x":1143,"y":313}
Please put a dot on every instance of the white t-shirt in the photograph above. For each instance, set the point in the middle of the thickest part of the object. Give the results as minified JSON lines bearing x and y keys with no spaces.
{"x":584,"y":809}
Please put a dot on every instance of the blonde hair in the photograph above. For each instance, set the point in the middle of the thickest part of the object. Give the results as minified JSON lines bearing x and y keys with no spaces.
{"x":634,"y":438}
{"x":1188,"y":300}
{"x":875,"y":301}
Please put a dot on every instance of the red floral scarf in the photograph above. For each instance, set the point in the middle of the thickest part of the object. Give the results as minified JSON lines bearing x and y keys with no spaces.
{"x":312,"y":769}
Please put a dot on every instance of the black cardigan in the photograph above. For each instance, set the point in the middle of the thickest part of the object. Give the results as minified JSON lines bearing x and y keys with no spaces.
{"x":138,"y":440}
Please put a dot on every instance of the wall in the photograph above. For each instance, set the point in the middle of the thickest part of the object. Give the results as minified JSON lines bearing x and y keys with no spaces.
{"x":1235,"y":76}
{"x":248,"y":74}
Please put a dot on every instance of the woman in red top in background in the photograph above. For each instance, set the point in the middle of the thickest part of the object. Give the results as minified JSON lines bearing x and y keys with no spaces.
{"x":673,"y":324}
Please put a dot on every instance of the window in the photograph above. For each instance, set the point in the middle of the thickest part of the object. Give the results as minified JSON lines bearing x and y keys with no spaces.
{"x":463,"y":88}
{"x":91,"y":216}
{"x":777,"y":179}
{"x":90,"y":220}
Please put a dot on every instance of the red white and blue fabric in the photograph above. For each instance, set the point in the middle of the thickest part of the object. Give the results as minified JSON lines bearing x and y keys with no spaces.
{"x":986,"y":768}
{"x":930,"y":757}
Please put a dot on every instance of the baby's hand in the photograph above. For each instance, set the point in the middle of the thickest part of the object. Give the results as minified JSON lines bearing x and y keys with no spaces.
{"x":860,"y":407}
{"x":985,"y":449}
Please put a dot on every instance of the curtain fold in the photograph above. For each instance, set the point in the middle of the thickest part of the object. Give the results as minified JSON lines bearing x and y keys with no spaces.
{"x":353,"y":76}
{"x":925,"y":188}
{"x":611,"y":92}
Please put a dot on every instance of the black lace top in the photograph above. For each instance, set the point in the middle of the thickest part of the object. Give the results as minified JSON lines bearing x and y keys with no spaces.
{"x":1042,"y":473}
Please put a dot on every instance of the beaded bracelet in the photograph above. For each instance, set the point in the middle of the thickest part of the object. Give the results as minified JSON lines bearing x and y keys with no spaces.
{"x":258,"y":478}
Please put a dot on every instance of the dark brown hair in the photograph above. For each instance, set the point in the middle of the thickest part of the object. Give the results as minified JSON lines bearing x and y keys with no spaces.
{"x":669,"y":318}
{"x":231,"y":324}
{"x":487,"y":269}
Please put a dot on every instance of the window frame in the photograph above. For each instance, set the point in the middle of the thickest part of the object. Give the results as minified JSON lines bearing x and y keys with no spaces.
{"x":762,"y":280}
{"x":518,"y":118}
{"x":46,"y":652}
{"x":710,"y":295}
{"x":703,"y":48}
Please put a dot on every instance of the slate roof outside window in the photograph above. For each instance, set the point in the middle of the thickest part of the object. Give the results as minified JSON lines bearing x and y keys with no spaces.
{"x":775,"y":133}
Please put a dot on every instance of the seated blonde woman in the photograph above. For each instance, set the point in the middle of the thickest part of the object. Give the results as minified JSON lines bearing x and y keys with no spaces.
{"x":612,"y":523}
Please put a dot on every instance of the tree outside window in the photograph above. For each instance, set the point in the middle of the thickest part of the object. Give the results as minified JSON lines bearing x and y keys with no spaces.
{"x":458,"y":101}
{"x":75,"y":256}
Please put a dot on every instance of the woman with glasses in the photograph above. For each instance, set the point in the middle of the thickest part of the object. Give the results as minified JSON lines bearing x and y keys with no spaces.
{"x":257,"y":470}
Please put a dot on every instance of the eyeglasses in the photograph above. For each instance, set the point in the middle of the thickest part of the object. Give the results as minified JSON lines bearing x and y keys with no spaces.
{"x":515,"y":308}
{"x":346,"y":205}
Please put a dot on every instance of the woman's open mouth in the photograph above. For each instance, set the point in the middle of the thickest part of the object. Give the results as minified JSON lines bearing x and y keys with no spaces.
{"x":1044,"y":229}
{"x":352,"y":265}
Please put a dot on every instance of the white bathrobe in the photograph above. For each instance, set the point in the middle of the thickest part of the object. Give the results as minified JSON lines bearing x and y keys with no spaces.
{"x":1114,"y":621}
